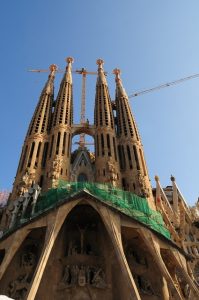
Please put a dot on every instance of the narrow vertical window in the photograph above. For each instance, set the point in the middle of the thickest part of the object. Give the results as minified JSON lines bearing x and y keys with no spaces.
{"x":38,"y":149}
{"x":136,"y":157}
{"x":58,"y":143}
{"x":37,"y":155}
{"x":114,"y":147}
{"x":51,"y":146}
{"x":129,"y":157}
{"x":23,"y":159}
{"x":45,"y":151}
{"x":142,"y":160}
{"x":97,"y":145}
{"x":122,"y":160}
{"x":64,"y":144}
{"x":108,"y":145}
{"x":69,"y":142}
{"x":124,"y":183}
{"x":41,"y":181}
{"x":31,"y":153}
{"x":102,"y":144}
{"x":123,"y":157}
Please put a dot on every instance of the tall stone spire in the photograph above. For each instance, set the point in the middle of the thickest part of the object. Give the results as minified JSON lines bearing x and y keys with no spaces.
{"x":131,"y":156}
{"x":60,"y":140}
{"x":64,"y":102}
{"x":106,"y":163}
{"x":41,"y":118}
{"x":34,"y":148}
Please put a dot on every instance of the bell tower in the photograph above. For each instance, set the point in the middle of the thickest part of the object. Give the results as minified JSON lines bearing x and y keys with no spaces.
{"x":106,"y":157}
{"x":59,"y":153}
{"x":34,"y":150}
{"x":133,"y":168}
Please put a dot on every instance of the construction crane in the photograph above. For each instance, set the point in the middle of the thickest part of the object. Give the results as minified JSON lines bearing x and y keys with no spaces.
{"x":86,"y":143}
{"x":83,"y":121}
{"x":84,"y":72}
{"x":162,"y":86}
{"x":139,"y":93}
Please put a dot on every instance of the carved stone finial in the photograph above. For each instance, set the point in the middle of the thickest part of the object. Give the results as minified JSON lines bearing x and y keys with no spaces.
{"x":70,"y":60}
{"x":100,"y":62}
{"x":172,"y":178}
{"x":156,"y":178}
{"x":53,"y":68}
{"x":117,"y":73}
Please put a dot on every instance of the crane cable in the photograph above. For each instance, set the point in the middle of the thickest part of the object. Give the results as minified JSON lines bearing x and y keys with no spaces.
{"x":163,"y":86}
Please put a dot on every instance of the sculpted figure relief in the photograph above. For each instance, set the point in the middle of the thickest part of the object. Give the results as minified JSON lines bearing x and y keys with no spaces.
{"x":98,"y":279}
{"x":19,"y":287}
{"x":74,"y":274}
{"x":55,"y":170}
{"x":143,"y":187}
{"x":83,"y":275}
{"x":145,"y":286}
{"x":112,"y":174}
{"x":16,"y":210}
{"x":66,"y":276}
{"x":195,"y":211}
{"x":26,"y":182}
{"x":28,"y":259}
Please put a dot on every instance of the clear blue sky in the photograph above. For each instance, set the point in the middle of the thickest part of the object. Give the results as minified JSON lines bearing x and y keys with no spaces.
{"x":152,"y":42}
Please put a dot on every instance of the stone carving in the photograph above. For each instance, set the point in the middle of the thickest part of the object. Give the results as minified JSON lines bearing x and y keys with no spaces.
{"x":80,"y":247}
{"x":26,"y":182}
{"x":30,"y":198}
{"x":98,"y":279}
{"x":82,"y":233}
{"x":92,"y":157}
{"x":74,"y":274}
{"x":16,"y":209}
{"x":72,"y":248}
{"x":186,"y":291}
{"x":9,"y":212}
{"x":83,"y":275}
{"x":145,"y":285}
{"x":182,"y":283}
{"x":144,"y":190}
{"x":18,"y":288}
{"x":112,"y":174}
{"x":195,"y":211}
{"x":56,"y":170}
{"x":137,"y":261}
{"x":66,"y":277}
{"x":196,"y":272}
{"x":28,"y":259}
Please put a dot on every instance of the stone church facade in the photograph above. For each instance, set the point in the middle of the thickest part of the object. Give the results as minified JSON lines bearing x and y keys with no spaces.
{"x":82,"y":225}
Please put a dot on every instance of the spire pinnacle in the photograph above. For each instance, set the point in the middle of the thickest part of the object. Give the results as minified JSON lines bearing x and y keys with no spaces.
{"x":49,"y":86}
{"x":120,"y":91}
{"x":100,"y":63}
{"x":117,"y":73}
{"x":101,"y":76}
{"x":68,"y":73}
{"x":53,"y":68}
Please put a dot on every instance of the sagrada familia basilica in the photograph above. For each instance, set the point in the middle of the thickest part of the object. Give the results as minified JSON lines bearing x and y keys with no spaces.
{"x":82,"y":225}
